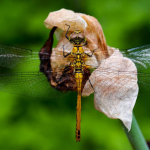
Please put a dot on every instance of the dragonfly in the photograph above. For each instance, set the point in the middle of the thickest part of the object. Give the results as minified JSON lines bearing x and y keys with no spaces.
{"x":30,"y":72}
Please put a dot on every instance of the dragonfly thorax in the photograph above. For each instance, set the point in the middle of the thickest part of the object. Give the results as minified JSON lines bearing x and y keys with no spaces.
{"x":77,"y":49}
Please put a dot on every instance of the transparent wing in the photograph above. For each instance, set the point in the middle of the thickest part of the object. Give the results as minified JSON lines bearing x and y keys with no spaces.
{"x":144,"y":82}
{"x":32,"y":84}
{"x":29,"y":81}
{"x":26,"y":60}
{"x":23,"y":77}
{"x":19,"y":59}
{"x":140,"y":56}
{"x":143,"y":78}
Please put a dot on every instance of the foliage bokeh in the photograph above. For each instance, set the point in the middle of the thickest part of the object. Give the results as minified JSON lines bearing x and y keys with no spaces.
{"x":34,"y":124}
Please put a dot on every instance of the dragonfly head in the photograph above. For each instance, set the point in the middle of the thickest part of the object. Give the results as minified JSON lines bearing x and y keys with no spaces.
{"x":77,"y":37}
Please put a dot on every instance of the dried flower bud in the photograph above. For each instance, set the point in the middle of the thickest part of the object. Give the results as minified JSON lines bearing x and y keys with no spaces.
{"x":115,"y":79}
{"x":115,"y":86}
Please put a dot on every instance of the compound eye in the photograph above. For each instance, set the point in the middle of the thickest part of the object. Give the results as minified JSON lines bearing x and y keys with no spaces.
{"x":73,"y":36}
{"x":81,"y":36}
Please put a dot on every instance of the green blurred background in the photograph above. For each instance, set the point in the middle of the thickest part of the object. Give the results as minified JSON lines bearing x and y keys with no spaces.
{"x":41,"y":124}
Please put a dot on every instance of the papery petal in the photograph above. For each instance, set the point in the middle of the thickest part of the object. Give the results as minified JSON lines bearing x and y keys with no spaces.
{"x":114,"y":81}
{"x":63,"y":16}
{"x":95,"y":37}
{"x":78,"y":21}
{"x":115,"y":86}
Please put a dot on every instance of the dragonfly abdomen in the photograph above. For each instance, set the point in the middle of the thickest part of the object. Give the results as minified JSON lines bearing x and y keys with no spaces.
{"x":78,"y":69}
{"x":78,"y":77}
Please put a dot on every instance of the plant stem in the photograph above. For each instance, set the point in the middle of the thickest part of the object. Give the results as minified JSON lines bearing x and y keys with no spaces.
{"x":135,"y":136}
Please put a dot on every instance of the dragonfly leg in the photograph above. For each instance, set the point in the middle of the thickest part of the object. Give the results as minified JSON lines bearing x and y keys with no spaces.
{"x":64,"y":53}
{"x":85,"y":43}
{"x":92,"y":52}
{"x":67,"y":31}
{"x":91,"y":85}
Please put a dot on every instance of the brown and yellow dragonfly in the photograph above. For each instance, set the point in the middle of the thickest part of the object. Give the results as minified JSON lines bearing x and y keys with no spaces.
{"x":28,"y":75}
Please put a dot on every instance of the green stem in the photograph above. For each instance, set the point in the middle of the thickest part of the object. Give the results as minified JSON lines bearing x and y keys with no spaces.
{"x":135,"y":136}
